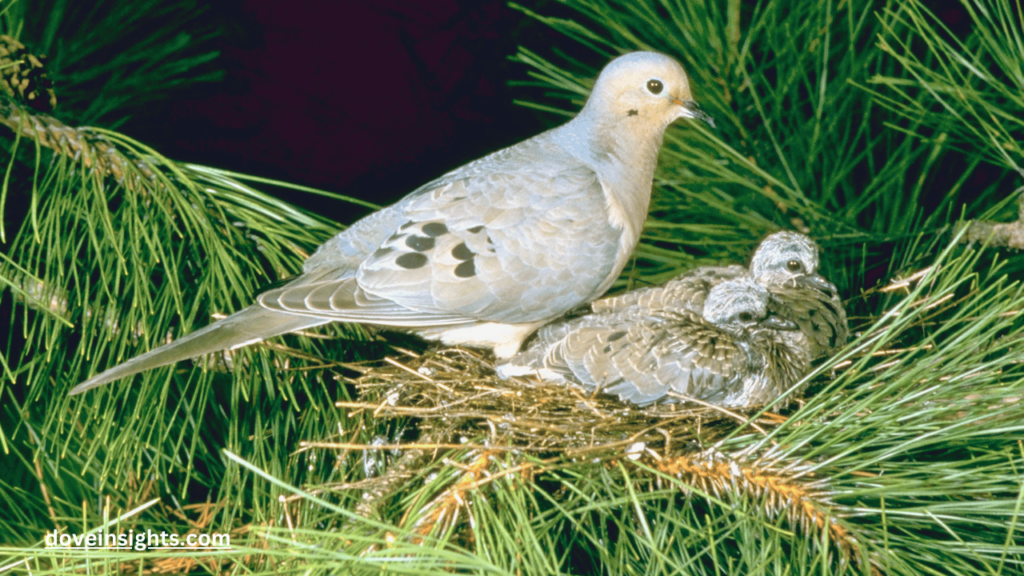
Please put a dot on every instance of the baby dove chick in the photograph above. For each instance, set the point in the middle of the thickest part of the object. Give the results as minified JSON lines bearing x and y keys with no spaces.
{"x":731,"y":356}
{"x":489,"y":252}
{"x":786,"y":263}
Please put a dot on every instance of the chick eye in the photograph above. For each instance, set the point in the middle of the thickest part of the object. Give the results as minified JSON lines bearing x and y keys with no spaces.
{"x":794,"y":266}
{"x":655,"y":86}
{"x":746,"y":317}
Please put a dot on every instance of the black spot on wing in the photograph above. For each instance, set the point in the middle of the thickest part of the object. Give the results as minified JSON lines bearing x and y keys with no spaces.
{"x":435,"y":229}
{"x":411,"y":261}
{"x":419,"y":243}
{"x":475,"y":229}
{"x":462,"y":252}
{"x":632,"y":113}
{"x":466,"y":270}
{"x":382,"y":252}
{"x":394,"y":237}
{"x":616,"y":335}
{"x":407,"y":225}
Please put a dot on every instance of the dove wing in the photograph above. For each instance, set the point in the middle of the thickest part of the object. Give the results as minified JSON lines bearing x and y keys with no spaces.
{"x":492,"y":241}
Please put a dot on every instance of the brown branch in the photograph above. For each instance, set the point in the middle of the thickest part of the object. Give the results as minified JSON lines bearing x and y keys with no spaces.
{"x":1001,"y":234}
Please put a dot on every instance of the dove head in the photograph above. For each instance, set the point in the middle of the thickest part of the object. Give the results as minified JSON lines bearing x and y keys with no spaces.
{"x":788,"y":257}
{"x":644,"y":88}
{"x":741,"y":306}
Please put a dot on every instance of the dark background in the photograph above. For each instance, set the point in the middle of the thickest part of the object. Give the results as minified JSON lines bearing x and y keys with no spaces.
{"x":364,"y":98}
{"x":367,"y":99}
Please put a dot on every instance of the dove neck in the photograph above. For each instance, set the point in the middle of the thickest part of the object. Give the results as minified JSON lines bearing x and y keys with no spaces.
{"x":621,"y":144}
{"x":624,"y":155}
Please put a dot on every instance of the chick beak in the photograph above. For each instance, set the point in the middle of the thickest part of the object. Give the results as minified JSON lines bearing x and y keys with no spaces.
{"x":692,"y":110}
{"x":818,"y":281}
{"x":773,"y":322}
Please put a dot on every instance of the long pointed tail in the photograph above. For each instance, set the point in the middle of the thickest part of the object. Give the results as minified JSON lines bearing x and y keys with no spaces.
{"x":244,"y":327}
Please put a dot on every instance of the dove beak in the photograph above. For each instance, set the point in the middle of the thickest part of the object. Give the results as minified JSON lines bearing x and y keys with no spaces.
{"x":776,"y":323}
{"x":818,"y":281}
{"x":692,"y":110}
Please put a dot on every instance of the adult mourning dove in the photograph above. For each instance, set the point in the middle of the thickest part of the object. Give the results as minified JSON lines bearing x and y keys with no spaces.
{"x":731,"y":356}
{"x":786,"y":263}
{"x":489,"y":252}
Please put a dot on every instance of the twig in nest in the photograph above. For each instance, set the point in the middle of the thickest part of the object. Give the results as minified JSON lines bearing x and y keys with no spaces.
{"x":443,"y":510}
{"x":729,"y":413}
{"x":409,"y":446}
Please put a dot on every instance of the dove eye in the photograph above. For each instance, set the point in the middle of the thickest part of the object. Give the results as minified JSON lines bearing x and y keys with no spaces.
{"x":655,"y":86}
{"x":746,"y":317}
{"x":794,"y":266}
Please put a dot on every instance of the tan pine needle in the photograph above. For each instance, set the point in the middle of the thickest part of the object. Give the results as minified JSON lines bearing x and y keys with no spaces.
{"x":804,"y":507}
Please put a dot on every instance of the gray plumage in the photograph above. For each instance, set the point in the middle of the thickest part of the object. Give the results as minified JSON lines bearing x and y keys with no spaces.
{"x":492,"y":250}
{"x":785,"y":263}
{"x":732,"y":356}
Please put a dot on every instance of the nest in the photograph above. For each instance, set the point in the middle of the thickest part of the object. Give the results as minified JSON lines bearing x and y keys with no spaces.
{"x":464,"y":411}
{"x":454,"y":394}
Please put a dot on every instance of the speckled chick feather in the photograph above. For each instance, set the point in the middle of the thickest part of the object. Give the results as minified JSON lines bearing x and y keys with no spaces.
{"x":786,"y":264}
{"x":733,"y":355}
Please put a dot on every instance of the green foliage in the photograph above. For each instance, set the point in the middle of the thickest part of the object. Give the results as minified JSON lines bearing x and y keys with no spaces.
{"x":109,"y":58}
{"x":867,"y":124}
{"x":970,"y":88}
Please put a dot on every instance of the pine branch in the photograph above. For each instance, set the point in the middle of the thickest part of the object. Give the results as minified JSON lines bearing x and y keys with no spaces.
{"x":1008,"y":234}
{"x":94,"y":151}
{"x":804,"y":505}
